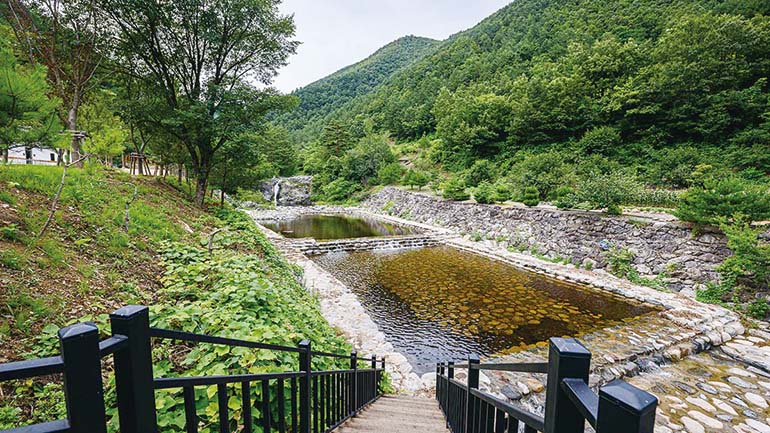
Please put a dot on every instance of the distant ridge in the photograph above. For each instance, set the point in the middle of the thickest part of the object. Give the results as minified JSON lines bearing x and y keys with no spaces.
{"x":321,"y":98}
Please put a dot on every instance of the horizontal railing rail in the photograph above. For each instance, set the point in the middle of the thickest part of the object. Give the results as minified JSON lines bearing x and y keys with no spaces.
{"x":525,"y":367}
{"x":618,"y":408}
{"x":303,"y":401}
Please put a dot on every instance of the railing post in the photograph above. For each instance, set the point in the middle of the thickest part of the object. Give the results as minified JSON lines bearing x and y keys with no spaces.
{"x":304,"y":387}
{"x":450,"y":374}
{"x":624,"y":407}
{"x":473,"y":383}
{"x":83,"y":390}
{"x":354,"y":384}
{"x":133,"y":371}
{"x":567,"y":358}
{"x":374,"y":375}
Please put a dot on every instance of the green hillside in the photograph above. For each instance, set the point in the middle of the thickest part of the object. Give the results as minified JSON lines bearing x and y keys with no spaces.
{"x":323,"y":97}
{"x":539,"y":72}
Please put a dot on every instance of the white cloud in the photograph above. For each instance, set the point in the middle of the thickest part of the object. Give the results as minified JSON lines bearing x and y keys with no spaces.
{"x":337,"y":33}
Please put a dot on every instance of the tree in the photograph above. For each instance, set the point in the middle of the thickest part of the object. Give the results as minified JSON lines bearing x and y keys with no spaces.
{"x":363,"y":162}
{"x":722,"y":197}
{"x":608,"y":190}
{"x":63,"y":35}
{"x":201,"y":58}
{"x":108,"y":134}
{"x":27,"y":115}
{"x":454,"y":189}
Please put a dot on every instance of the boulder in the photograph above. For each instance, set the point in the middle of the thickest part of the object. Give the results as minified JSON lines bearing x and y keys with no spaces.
{"x":288,"y":191}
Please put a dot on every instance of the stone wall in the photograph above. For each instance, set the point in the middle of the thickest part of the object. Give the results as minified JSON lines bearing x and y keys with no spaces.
{"x":583,"y":237}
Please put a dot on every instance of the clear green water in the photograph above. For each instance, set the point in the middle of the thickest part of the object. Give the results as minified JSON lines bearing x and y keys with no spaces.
{"x":330,"y":227}
{"x":442,"y":303}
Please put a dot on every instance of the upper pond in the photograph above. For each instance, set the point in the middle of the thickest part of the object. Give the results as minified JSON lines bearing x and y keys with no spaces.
{"x":442,"y":303}
{"x":329,"y":227}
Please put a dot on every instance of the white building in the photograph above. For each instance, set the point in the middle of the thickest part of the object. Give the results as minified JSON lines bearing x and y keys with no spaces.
{"x":35,"y":155}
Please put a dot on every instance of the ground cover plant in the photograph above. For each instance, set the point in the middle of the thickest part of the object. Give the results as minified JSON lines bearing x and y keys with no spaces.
{"x":86,"y":266}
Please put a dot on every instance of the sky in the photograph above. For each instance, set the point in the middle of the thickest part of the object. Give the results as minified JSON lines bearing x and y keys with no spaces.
{"x":337,"y":33}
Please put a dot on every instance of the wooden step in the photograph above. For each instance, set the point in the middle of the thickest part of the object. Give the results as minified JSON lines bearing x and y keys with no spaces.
{"x":392,"y":414}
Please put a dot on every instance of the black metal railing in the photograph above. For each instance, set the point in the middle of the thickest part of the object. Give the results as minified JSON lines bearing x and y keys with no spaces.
{"x":570,"y":402}
{"x":307,"y":401}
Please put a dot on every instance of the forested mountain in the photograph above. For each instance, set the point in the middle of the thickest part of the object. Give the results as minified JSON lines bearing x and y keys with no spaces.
{"x":321,"y":98}
{"x":542,"y":72}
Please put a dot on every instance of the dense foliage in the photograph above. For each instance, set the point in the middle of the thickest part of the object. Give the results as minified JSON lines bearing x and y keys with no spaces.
{"x":571,"y":96}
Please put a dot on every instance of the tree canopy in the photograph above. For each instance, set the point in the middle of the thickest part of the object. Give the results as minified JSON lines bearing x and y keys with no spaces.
{"x":200,"y":58}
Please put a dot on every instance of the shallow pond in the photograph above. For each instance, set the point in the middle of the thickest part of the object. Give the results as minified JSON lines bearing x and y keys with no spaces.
{"x":442,"y":303}
{"x":329,"y":227}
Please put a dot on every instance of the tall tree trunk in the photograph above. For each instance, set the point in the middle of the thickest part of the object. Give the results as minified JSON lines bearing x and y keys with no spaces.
{"x":5,"y":156}
{"x":72,"y":124}
{"x":201,"y":183}
{"x":179,"y":174}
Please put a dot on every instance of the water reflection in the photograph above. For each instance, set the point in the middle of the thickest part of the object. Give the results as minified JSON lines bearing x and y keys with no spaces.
{"x":329,"y":227}
{"x":443,"y":303}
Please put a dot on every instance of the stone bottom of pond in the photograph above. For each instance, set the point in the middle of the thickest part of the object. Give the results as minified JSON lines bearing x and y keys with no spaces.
{"x":331,"y":227}
{"x":442,"y":303}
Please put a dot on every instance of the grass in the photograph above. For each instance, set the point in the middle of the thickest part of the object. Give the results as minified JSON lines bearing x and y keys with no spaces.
{"x":7,"y":197}
{"x":85,"y":262}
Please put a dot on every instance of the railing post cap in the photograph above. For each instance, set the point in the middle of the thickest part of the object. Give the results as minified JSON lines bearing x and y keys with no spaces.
{"x":304,"y":343}
{"x":78,"y":330}
{"x":353,"y":353}
{"x":628,"y":397}
{"x":569,"y":347}
{"x":129,"y":311}
{"x":474,"y":359}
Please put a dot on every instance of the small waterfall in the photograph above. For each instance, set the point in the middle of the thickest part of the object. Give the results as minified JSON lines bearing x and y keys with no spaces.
{"x":276,"y":190}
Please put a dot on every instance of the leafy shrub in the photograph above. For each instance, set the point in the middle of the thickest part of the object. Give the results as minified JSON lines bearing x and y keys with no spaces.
{"x":482,"y":170}
{"x":484,"y":193}
{"x":750,"y":261}
{"x":608,"y":190}
{"x":390,"y":174}
{"x":531,"y":196}
{"x":502,"y":191}
{"x":759,"y":309}
{"x":620,"y":261}
{"x":655,"y":197}
{"x":416,"y":178}
{"x":603,"y":140}
{"x":545,"y":171}
{"x":454,"y":189}
{"x":713,"y":293}
{"x":723,"y":197}
{"x":339,"y":190}
{"x":11,"y":232}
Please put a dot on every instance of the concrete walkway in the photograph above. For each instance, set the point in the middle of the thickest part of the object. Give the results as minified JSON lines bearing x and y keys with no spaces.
{"x":391,"y":414}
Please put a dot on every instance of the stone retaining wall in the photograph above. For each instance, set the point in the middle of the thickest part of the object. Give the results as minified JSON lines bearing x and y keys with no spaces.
{"x":582,"y":237}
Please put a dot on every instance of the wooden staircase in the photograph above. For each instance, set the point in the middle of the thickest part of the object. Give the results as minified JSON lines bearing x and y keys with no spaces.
{"x":391,"y":414}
